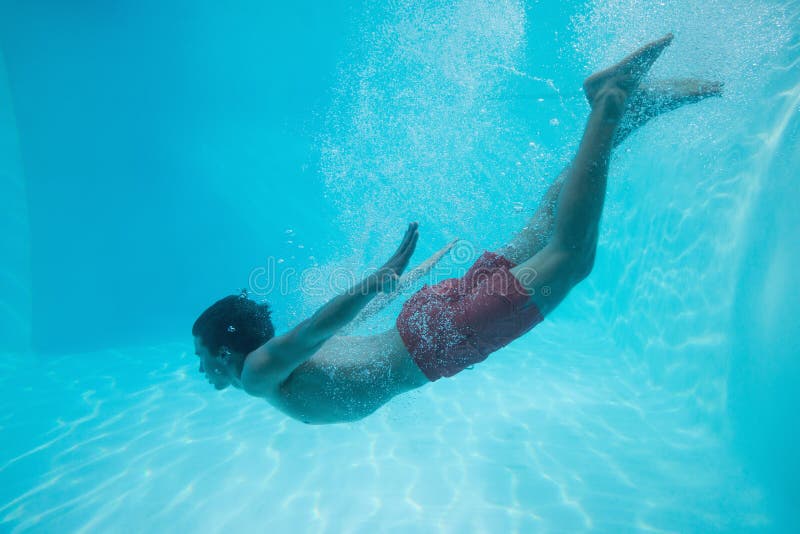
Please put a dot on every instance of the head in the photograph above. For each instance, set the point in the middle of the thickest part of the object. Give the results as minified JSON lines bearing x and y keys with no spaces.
{"x":226,"y":333}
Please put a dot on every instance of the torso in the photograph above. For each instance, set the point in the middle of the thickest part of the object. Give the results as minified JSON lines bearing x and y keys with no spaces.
{"x":348,"y":378}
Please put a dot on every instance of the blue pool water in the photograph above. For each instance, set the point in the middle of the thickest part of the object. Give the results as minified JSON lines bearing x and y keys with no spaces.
{"x":157,"y":156}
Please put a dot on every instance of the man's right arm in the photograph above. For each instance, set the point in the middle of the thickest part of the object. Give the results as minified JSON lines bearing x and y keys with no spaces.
{"x":269,"y":365}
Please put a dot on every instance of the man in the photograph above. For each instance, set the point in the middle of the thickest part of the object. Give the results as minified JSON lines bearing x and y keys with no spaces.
{"x":317,"y":377}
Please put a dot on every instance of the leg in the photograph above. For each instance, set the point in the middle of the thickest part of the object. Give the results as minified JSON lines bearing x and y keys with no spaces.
{"x":566,"y":259}
{"x":646,"y":103}
{"x":536,"y":233}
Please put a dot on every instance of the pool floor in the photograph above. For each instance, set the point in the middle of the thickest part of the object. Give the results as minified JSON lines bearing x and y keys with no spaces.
{"x":538,"y":438}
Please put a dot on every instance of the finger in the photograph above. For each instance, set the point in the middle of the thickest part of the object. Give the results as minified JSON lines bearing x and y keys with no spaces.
{"x":409,"y":251}
{"x":406,"y":239}
{"x":413,"y":245}
{"x":404,"y":244}
{"x":401,"y":246}
{"x":412,"y":227}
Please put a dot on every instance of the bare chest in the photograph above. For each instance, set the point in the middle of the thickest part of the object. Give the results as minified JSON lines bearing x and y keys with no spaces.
{"x":346,"y":380}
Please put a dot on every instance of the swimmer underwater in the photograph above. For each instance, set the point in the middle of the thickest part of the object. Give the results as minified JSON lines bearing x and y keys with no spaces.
{"x":316,"y":375}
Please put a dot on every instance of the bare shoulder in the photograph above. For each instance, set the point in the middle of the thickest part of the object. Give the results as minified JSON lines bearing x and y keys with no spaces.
{"x":262,"y":372}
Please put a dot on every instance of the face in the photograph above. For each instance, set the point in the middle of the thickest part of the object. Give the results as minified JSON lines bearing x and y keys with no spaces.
{"x":218,"y":373}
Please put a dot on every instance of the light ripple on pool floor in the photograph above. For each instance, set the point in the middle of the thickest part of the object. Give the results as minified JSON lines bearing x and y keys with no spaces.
{"x":534,"y":439}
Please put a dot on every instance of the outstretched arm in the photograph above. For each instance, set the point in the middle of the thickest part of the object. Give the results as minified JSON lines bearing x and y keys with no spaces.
{"x":277,"y":358}
{"x":406,"y":281}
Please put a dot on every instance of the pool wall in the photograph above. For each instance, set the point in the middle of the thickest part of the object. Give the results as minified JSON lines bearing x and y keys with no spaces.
{"x":15,"y":245}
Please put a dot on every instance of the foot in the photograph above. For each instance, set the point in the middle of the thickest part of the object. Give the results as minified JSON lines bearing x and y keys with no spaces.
{"x":624,"y":77}
{"x":665,"y":95}
{"x":652,"y":99}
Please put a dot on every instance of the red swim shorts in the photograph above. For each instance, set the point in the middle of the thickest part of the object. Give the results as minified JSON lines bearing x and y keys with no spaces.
{"x":460,"y":321}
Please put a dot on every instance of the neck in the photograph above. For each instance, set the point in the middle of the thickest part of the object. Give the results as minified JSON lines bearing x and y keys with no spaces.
{"x":236,"y":366}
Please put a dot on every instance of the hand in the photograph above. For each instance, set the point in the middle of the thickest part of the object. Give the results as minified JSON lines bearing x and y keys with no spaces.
{"x":387,"y":276}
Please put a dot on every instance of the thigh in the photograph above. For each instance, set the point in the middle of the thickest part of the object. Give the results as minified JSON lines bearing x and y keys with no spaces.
{"x":530,"y":239}
{"x":535,"y":235}
{"x":548,"y":276}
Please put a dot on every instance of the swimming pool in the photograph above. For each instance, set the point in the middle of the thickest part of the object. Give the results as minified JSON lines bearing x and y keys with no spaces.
{"x":155,"y":157}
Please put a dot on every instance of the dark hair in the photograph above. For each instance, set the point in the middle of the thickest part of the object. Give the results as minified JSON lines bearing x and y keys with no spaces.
{"x":235,"y":322}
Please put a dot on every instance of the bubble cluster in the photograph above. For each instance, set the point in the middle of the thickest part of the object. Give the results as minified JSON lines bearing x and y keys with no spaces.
{"x":415,"y":133}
